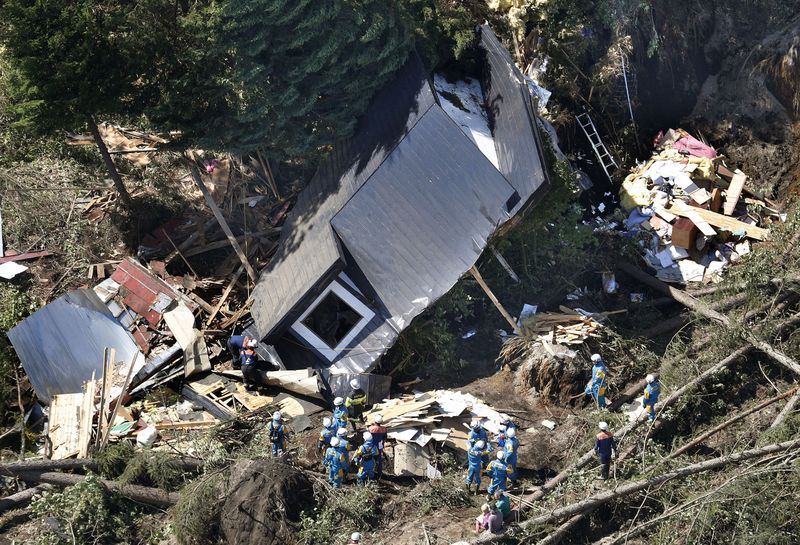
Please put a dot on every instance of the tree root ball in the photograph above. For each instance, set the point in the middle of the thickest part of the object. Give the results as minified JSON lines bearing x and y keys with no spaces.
{"x":560,"y":380}
{"x":265,"y":498}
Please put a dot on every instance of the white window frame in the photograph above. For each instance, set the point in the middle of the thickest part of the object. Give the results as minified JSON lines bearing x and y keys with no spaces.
{"x":331,"y":353}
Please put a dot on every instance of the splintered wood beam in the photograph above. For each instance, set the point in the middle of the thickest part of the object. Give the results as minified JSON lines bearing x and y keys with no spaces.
{"x":482,"y":283}
{"x":224,"y":296}
{"x":504,"y":263}
{"x":222,"y":223}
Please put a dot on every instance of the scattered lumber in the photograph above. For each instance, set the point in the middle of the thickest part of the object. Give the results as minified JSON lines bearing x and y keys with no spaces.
{"x":592,"y":502}
{"x":567,"y":327}
{"x":21,"y":499}
{"x":725,"y":223}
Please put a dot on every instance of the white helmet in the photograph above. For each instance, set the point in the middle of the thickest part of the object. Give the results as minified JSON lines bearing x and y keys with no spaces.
{"x":378,"y":419}
{"x":338,"y":401}
{"x":341,"y":432}
{"x":334,"y":441}
{"x":503,"y":428}
{"x":367,"y":436}
{"x":480,"y":444}
{"x":511,"y":432}
{"x":355,"y":537}
{"x":276,"y":415}
{"x":326,"y":422}
{"x":501,"y":454}
{"x":252,"y":343}
{"x":596,"y":357}
{"x":603,"y":426}
{"x":354,"y":383}
{"x":650,"y":378}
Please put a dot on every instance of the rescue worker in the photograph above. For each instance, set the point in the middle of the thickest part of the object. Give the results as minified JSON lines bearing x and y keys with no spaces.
{"x":365,"y":458}
{"x":328,"y":431}
{"x":604,"y":446}
{"x":339,"y":413}
{"x":276,"y":434}
{"x":509,"y":424}
{"x":475,"y":455}
{"x":511,"y":448}
{"x":499,"y":471}
{"x":334,"y":462}
{"x":596,"y":387}
{"x":501,"y":437}
{"x":355,"y":539}
{"x":243,"y":352}
{"x":651,"y":393}
{"x":477,"y":433}
{"x":379,"y":431}
{"x":356,"y":403}
{"x":344,"y":447}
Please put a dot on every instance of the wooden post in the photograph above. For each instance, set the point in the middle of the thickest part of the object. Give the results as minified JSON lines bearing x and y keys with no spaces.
{"x":222,"y":223}
{"x":504,"y":263}
{"x":109,"y":354}
{"x":120,"y":398}
{"x":474,"y":271}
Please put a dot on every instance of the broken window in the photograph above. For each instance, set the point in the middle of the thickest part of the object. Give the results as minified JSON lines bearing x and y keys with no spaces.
{"x":332,"y":319}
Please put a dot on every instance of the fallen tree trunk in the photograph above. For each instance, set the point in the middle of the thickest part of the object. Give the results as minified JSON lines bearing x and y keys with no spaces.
{"x":630,"y":393}
{"x":562,"y":531}
{"x":730,"y":421}
{"x":786,"y":411}
{"x":705,"y":310}
{"x":79,"y":464}
{"x":144,"y":494}
{"x":592,"y":502}
{"x":21,"y":499}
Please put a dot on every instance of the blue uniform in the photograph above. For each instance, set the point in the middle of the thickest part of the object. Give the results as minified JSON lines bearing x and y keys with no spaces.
{"x":596,"y":388}
{"x":334,"y":461}
{"x":499,"y":471}
{"x":325,"y":437}
{"x":344,"y":448}
{"x":379,"y":438}
{"x":276,"y":437}
{"x":475,"y":436}
{"x":651,"y":393}
{"x":340,"y":416}
{"x":366,"y":456}
{"x":604,"y":446}
{"x":511,"y":448}
{"x":475,"y":460}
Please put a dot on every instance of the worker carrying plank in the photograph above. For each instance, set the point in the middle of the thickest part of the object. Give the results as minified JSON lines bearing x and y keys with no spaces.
{"x":596,"y":387}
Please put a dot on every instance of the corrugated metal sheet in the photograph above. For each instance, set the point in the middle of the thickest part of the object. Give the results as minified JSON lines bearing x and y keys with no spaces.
{"x":61,"y":344}
{"x":424,"y":217}
{"x":511,"y":116}
{"x":308,"y":248}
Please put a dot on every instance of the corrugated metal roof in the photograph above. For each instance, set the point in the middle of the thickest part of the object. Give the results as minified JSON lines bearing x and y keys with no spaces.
{"x":61,"y":344}
{"x":308,"y":247}
{"x":424,"y":217}
{"x":512,"y":117}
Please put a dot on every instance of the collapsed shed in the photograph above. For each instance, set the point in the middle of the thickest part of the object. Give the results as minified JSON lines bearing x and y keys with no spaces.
{"x":394,"y":217}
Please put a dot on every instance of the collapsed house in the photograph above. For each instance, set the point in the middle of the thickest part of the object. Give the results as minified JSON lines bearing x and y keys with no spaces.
{"x":395,"y":216}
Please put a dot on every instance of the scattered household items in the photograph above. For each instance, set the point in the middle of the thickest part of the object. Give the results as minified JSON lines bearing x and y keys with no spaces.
{"x":692,"y":215}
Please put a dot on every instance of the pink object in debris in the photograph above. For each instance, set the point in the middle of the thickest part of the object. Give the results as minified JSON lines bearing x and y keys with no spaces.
{"x":695,"y":147}
{"x":211,"y":165}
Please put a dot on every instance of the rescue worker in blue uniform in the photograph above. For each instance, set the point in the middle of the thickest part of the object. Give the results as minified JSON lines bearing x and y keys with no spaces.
{"x":499,"y":472}
{"x":277,"y":434}
{"x":344,"y":447}
{"x":605,"y":446}
{"x":511,"y":448}
{"x":365,"y":457}
{"x":475,"y":455}
{"x":651,"y":393}
{"x":243,"y":349}
{"x":339,"y":413}
{"x":379,"y":432}
{"x":334,"y":462}
{"x":596,"y":388}
{"x":509,"y":424}
{"x":328,"y":431}
{"x":477,"y":433}
{"x":356,"y":403}
{"x":501,"y":437}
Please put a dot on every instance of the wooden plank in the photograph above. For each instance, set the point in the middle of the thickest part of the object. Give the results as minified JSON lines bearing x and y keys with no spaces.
{"x":186,"y":425}
{"x":86,"y":418}
{"x":225,"y":294}
{"x":504,"y":263}
{"x":64,"y":430}
{"x":690,"y":213}
{"x":108,"y":355}
{"x":120,"y":399}
{"x":24,"y":257}
{"x":734,"y":192}
{"x":222,"y":223}
{"x":725,"y":223}
{"x":474,"y":271}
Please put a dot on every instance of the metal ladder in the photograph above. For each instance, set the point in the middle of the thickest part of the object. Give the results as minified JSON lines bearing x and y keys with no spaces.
{"x":600,"y":149}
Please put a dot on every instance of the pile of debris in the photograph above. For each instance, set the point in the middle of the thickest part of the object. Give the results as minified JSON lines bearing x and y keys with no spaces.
{"x":417,"y":421}
{"x":693,"y":216}
{"x":568,"y":327}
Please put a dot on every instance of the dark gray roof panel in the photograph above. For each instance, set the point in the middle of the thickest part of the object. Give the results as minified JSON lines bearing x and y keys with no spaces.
{"x":424,"y":217}
{"x":60,"y":344}
{"x":308,"y":248}
{"x":511,"y":117}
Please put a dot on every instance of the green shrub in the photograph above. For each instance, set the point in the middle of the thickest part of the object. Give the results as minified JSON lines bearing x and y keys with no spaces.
{"x":340,"y":513}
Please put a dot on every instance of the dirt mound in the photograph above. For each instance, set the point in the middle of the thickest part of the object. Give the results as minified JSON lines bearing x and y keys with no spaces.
{"x":558,"y":378}
{"x":265,"y":498}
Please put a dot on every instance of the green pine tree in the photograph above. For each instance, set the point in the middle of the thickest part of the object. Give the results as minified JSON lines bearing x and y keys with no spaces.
{"x":73,"y":62}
